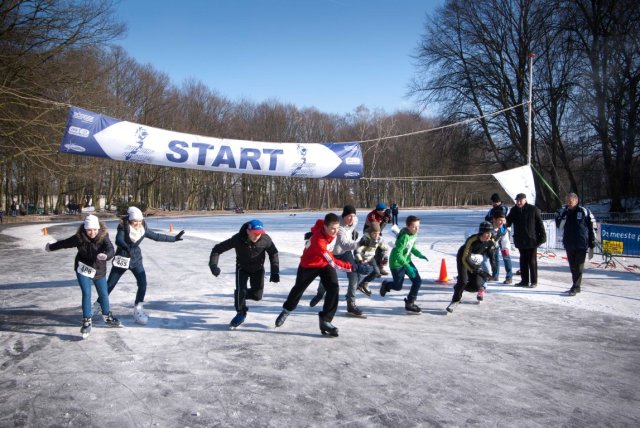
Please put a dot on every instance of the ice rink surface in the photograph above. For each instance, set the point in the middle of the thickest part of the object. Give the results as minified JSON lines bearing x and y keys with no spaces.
{"x":523,"y":357}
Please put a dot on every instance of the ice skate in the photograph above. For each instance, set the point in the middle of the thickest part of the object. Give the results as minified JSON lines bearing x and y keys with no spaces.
{"x":315,"y":300}
{"x":282,"y":318}
{"x":354,"y":311}
{"x":452,"y":306}
{"x":237,"y":320}
{"x":326,"y":328}
{"x":112,"y":321}
{"x":85,"y":330}
{"x":363,"y":287}
{"x":480,"y":296}
{"x":138,"y":314}
{"x":573,"y":291}
{"x":383,"y":288}
{"x":411,"y":307}
{"x":507,"y":281}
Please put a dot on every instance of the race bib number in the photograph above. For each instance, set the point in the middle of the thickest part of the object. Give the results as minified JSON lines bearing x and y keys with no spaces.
{"x":121,"y":262}
{"x":85,"y":270}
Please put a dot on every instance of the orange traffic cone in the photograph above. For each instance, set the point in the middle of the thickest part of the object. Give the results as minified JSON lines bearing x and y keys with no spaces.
{"x":44,"y":232}
{"x":444,"y":277}
{"x":170,"y":228}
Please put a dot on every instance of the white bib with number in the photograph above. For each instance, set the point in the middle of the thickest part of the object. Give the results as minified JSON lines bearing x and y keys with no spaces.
{"x":85,"y":270}
{"x":121,"y":262}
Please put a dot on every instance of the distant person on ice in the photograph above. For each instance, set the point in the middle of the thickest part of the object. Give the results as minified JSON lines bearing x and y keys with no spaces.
{"x":528,"y":235}
{"x":250,"y":243}
{"x":471,"y":276}
{"x":131,"y":232}
{"x":401,"y":264}
{"x":94,"y":249}
{"x":318,"y":260}
{"x":578,"y":224}
{"x":394,"y":213}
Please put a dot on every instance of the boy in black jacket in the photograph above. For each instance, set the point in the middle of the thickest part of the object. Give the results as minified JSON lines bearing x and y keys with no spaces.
{"x":251,"y":243}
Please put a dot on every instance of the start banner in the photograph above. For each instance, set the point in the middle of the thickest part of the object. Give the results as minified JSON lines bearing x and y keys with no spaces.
{"x":94,"y":134}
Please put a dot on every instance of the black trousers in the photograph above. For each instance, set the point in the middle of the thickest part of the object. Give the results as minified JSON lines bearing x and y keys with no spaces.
{"x":304,"y":277}
{"x":529,"y":265}
{"x":576,"y":265}
{"x":466,"y":281}
{"x":240,"y":295}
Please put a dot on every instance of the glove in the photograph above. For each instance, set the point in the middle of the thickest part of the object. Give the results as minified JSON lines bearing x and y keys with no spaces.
{"x":482,"y":273}
{"x":361,"y":269}
{"x":385,"y":262}
{"x":355,"y":235}
{"x":275,"y":277}
{"x":179,"y":235}
{"x":411,"y":272}
{"x":101,"y":256}
{"x":46,"y":247}
{"x":423,"y":257}
{"x":215,"y":270}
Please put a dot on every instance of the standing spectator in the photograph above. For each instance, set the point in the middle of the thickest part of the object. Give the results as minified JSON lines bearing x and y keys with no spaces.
{"x":346,"y":242}
{"x":1,"y":216}
{"x":131,"y":232}
{"x":394,"y":213}
{"x":578,"y":224}
{"x":497,"y":206}
{"x":471,"y":276}
{"x":528,"y":235}
{"x":500,"y":236}
{"x":14,"y":209}
{"x":401,"y":264}
{"x":251,"y":243}
{"x":318,"y":260}
{"x":94,"y":249}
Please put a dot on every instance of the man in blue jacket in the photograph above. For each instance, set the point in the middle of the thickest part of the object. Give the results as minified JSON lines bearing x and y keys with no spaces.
{"x":578,"y":224}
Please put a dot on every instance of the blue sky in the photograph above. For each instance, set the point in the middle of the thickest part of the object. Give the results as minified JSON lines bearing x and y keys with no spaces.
{"x":333,"y":55}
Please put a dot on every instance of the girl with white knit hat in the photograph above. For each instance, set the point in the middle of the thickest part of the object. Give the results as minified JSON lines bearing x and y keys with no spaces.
{"x":94,"y":249}
{"x":131,"y":233}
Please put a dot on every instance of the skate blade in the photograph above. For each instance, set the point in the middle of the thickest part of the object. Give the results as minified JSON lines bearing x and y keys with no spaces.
{"x":85,"y":335}
{"x":413,"y":313}
{"x":356,"y":316}
{"x":327,"y":334}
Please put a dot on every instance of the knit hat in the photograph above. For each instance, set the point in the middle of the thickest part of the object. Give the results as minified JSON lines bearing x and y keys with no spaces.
{"x":91,"y":222}
{"x":134,"y":213}
{"x":348,"y":209}
{"x":255,"y":226}
{"x":485,"y":226}
{"x":381,"y":206}
{"x":374,"y":227}
{"x":495,"y":198}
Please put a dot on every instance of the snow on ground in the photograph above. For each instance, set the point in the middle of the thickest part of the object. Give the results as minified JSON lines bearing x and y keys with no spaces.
{"x":524,"y":357}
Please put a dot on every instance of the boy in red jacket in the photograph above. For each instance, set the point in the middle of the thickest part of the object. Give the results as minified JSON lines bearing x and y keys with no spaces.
{"x":317,"y":260}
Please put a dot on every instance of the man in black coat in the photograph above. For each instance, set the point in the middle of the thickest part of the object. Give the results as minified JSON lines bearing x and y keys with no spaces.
{"x":251,"y":243}
{"x":578,"y":235}
{"x":528,"y":235}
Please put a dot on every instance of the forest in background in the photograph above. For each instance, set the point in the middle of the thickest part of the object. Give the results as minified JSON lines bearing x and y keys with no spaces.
{"x":471,"y":60}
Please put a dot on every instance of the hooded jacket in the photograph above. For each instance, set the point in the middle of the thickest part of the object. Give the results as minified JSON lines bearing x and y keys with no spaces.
{"x":128,"y":248}
{"x":88,"y":249}
{"x":318,"y":251}
{"x":367,"y":247}
{"x":344,"y":239}
{"x":250,"y":256}
{"x":403,"y":249}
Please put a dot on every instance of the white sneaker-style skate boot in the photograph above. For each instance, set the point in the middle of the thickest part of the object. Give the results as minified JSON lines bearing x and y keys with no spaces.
{"x":138,"y":314}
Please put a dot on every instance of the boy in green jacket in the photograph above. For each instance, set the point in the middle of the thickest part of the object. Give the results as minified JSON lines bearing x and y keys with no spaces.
{"x":400,"y":263}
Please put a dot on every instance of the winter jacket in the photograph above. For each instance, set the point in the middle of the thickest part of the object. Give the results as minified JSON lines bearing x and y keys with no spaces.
{"x":127,"y":248}
{"x":318,"y":251}
{"x":344,"y":239}
{"x":579,"y":225}
{"x":404,"y":247}
{"x":88,"y":249}
{"x":474,"y":245}
{"x":528,"y":228}
{"x":367,"y":247}
{"x":250,"y":256}
{"x":372,"y":217}
{"x":500,"y":208}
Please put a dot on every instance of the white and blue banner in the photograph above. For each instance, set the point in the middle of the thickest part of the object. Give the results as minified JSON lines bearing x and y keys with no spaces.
{"x":93,"y":134}
{"x":518,"y":180}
